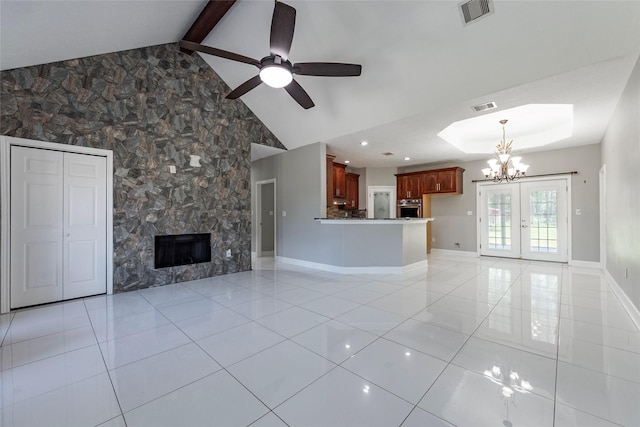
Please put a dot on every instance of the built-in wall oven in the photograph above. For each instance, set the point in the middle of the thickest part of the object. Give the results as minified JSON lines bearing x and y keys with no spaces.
{"x":409,"y":208}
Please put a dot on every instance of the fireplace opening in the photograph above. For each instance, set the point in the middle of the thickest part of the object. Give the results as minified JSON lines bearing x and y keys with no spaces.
{"x":182,"y":249}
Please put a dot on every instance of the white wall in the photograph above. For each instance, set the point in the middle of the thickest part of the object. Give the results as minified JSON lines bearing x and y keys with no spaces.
{"x":621,"y":155}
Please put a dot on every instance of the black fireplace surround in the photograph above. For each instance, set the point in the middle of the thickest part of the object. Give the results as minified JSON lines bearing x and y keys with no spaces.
{"x":182,"y":249}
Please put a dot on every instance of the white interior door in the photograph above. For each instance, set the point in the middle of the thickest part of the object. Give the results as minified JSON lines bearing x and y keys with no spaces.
{"x":85,"y":219}
{"x":36,"y":226}
{"x":525,"y":220}
{"x":499,"y":220}
{"x":58,"y":226}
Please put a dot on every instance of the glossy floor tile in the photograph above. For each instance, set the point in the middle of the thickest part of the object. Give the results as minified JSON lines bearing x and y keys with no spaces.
{"x":463,"y":342}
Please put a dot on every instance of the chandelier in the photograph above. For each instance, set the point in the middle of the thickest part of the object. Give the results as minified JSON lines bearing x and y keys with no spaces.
{"x":504,"y":167}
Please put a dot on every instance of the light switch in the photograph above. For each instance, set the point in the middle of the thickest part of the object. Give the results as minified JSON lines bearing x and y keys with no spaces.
{"x":284,"y":213}
{"x":469,"y":213}
{"x":172,"y":169}
{"x":578,"y":211}
{"x":270,"y":213}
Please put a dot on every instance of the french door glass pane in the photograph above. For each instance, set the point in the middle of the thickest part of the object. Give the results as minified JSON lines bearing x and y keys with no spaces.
{"x":499,"y":205}
{"x":543,"y":206}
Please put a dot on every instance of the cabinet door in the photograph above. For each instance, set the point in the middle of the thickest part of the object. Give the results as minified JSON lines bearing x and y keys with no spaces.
{"x":402,"y":184}
{"x":352,"y":190}
{"x":430,"y":180}
{"x":447,"y":181}
{"x":415,"y":190}
{"x":339,"y":180}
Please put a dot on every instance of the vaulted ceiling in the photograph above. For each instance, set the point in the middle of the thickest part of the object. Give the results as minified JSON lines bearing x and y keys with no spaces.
{"x":422,"y":67}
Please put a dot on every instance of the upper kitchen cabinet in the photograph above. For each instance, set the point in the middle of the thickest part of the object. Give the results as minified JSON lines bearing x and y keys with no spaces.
{"x":339,"y":181}
{"x":410,"y":185}
{"x":329,"y":169}
{"x":448,"y":180}
{"x":352,"y":190}
{"x":437,"y":181}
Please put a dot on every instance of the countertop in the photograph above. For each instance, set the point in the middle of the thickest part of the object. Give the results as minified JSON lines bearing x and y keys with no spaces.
{"x":374,"y":220}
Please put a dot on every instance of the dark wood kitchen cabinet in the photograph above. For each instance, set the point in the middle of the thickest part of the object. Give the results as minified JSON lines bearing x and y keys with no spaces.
{"x":339,"y":181}
{"x":352,"y":190}
{"x":413,"y":185}
{"x":409,"y":185}
{"x":329,"y":170}
{"x":441,"y":181}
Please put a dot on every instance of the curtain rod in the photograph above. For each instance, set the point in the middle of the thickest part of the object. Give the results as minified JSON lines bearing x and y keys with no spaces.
{"x":532,"y":176}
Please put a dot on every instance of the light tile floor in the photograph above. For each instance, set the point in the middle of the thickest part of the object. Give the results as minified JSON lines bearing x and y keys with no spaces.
{"x":466,"y":342}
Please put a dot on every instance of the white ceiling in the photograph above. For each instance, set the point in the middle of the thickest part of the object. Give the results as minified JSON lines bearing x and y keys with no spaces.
{"x":422,"y":68}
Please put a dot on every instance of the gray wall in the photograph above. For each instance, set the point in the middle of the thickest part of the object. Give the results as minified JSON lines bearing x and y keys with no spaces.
{"x":621,"y":157}
{"x":152,"y":107}
{"x":301,"y":193}
{"x":453,"y":225}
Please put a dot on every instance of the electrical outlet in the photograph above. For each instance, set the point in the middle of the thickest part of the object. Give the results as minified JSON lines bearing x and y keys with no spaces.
{"x":172,"y":169}
{"x":578,"y":211}
{"x":433,"y":240}
{"x":228,"y":253}
{"x":469,"y":213}
{"x":284,"y":213}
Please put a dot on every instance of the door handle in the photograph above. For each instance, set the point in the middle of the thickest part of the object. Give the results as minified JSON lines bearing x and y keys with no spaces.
{"x":525,"y":226}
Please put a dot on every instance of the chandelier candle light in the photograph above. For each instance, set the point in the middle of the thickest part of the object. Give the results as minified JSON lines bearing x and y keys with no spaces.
{"x":504,"y":167}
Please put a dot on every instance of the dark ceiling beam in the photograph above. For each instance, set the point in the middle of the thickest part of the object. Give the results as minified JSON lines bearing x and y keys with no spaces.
{"x":209,"y":17}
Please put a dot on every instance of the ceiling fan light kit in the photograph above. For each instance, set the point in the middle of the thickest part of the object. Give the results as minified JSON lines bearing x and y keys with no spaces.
{"x":276,"y":70}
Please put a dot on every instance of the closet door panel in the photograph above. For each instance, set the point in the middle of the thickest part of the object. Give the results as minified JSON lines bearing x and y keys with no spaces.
{"x":36,"y":226}
{"x":84,"y":225}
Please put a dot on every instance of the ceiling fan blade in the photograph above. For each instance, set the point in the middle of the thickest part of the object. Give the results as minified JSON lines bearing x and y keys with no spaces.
{"x":300,"y":95}
{"x":327,"y":69}
{"x":282,"y":26}
{"x":218,"y":52}
{"x":245,"y":87}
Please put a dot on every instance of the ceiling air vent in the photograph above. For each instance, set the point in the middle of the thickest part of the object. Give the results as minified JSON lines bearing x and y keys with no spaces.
{"x":387,"y":154}
{"x":482,"y":107}
{"x":474,"y":9}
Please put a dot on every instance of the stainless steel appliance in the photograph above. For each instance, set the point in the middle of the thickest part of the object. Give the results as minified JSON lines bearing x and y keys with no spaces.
{"x":409,"y":208}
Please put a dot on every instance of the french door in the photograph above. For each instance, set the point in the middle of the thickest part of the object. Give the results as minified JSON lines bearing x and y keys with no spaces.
{"x":58,"y":226}
{"x":525,"y":220}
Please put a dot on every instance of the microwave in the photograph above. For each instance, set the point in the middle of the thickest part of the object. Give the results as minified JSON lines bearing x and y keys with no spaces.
{"x":411,"y":208}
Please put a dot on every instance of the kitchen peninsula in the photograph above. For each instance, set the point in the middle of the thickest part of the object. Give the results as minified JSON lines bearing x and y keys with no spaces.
{"x":373,"y":246}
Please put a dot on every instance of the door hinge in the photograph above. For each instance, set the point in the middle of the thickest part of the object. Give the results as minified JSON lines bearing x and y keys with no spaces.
{"x":480,"y":245}
{"x":480,"y":219}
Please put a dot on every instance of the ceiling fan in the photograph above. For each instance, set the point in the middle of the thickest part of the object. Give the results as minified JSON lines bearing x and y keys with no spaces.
{"x":276,"y":70}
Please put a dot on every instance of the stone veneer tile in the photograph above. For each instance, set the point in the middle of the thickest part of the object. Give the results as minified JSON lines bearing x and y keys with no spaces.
{"x":153,"y":107}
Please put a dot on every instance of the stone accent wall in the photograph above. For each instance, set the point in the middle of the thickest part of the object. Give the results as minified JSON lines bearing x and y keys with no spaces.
{"x":154,"y":107}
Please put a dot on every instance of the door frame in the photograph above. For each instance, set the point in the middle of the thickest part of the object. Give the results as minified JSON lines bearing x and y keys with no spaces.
{"x":383,"y":189}
{"x":6,"y":142}
{"x":258,"y":205}
{"x":602,"y":193}
{"x":566,"y":177}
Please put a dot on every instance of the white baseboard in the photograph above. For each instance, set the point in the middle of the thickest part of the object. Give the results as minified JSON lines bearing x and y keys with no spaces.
{"x":353,"y":270}
{"x":584,"y":264}
{"x":628,"y":305}
{"x":450,"y":252}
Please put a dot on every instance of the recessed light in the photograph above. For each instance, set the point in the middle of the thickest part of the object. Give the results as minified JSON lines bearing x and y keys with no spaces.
{"x":407,"y":158}
{"x":363,"y":143}
{"x":347,"y":162}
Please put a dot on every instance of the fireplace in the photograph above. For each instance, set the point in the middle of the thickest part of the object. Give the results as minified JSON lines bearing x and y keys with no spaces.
{"x":182,"y":249}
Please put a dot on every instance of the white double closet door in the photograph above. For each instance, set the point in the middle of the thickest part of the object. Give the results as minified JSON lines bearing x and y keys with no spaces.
{"x":58,"y":226}
{"x":525,"y":220}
